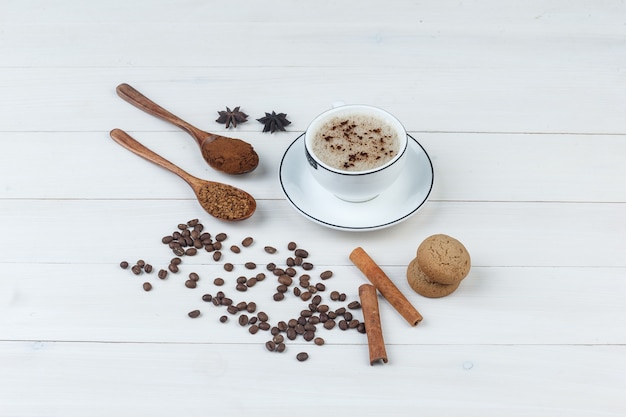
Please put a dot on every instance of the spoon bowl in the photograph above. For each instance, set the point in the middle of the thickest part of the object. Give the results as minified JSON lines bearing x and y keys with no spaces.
{"x":220,"y":200}
{"x":229,"y":155}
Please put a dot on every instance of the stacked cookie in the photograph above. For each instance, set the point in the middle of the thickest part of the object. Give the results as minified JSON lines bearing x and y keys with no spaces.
{"x":439,"y":267}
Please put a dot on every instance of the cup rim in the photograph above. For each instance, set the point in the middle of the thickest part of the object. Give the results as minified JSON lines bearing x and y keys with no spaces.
{"x":389,"y":163}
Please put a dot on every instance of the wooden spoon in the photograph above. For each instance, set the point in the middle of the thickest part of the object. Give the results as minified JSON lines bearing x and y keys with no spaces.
{"x":229,"y":155}
{"x":219,"y":200}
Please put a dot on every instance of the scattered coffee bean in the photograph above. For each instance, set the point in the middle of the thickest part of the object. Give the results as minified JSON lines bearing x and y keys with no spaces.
{"x":354,"y":305}
{"x":291,"y":333}
{"x":263,"y":316}
{"x":270,"y":249}
{"x":141,"y":263}
{"x":218,"y":281}
{"x":251,"y":307}
{"x":217,"y":255}
{"x":281,"y":347}
{"x":243,"y":320}
{"x":190,"y":284}
{"x":229,"y":267}
{"x":343,"y":325}
{"x":207,"y":297}
{"x":334,"y":295}
{"x":176,"y":261}
{"x":194,"y":313}
{"x":251,"y":282}
{"x":220,"y":237}
{"x":260,"y":276}
{"x":265,"y":326}
{"x":241,"y":287}
{"x":297,"y":291}
{"x":271,"y":266}
{"x":306,"y":295}
{"x":353,"y":324}
{"x":173,"y":268}
{"x":254,"y":329}
{"x":278,"y":338}
{"x":318,"y":341}
{"x":326,"y":275}
{"x":217,"y":245}
{"x":301,"y":253}
{"x":329,"y":324}
{"x":194,"y":276}
{"x":178,"y":251}
{"x":136,"y":269}
{"x":292,"y":245}
{"x":147,"y":286}
{"x":167,"y":239}
{"x":302,"y":356}
{"x":235,"y":249}
{"x":227,"y":302}
{"x":270,"y":345}
{"x":290,"y":261}
{"x":123,"y":264}
{"x":307,"y":266}
{"x":250,"y":265}
{"x":223,"y":319}
{"x":147,"y":268}
{"x":279,"y":296}
{"x":361,"y":327}
{"x":232,"y":309}
{"x":298,"y":260}
{"x":247,"y":242}
{"x":342,"y":297}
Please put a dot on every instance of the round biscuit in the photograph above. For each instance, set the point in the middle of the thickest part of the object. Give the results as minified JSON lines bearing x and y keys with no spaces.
{"x":419,"y":282}
{"x":443,"y":259}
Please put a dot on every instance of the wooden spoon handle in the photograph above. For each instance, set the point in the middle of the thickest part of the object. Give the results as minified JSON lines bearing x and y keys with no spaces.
{"x":137,"y":148}
{"x":142,"y":102}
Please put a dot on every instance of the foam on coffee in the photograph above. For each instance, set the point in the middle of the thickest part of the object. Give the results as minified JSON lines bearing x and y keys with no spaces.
{"x":355,"y":142}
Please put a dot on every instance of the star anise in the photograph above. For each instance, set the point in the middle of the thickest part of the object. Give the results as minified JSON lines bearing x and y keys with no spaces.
{"x":232,"y":117}
{"x":274,"y":122}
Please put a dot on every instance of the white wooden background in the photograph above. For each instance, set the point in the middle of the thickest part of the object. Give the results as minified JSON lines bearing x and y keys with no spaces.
{"x":521,"y":106}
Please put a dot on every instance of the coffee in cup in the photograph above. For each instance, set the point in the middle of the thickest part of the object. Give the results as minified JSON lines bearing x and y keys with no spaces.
{"x":355,"y":151}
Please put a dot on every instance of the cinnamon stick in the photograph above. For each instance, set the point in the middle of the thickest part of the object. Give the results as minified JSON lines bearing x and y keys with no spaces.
{"x":373,"y":329}
{"x":386,"y":287}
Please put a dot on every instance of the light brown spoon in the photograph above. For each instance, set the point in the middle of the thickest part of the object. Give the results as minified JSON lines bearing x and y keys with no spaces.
{"x":219,"y":200}
{"x":229,"y":155}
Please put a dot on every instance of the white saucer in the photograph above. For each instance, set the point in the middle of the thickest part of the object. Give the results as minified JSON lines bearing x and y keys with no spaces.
{"x":391,"y":207}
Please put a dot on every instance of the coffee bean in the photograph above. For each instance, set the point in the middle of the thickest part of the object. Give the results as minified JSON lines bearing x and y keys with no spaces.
{"x":241,"y":287}
{"x":340,"y":311}
{"x":312,"y":289}
{"x":197,"y":244}
{"x":292,"y":245}
{"x":361,"y":327}
{"x":297,"y":291}
{"x":270,"y":249}
{"x":318,"y":341}
{"x":281,"y":347}
{"x":279,"y":296}
{"x":167,"y":239}
{"x":207,"y":297}
{"x":229,"y":267}
{"x":147,"y":286}
{"x":265,"y":326}
{"x":320,"y":287}
{"x":323,"y":308}
{"x":271,"y":266}
{"x":191,"y":251}
{"x":305,"y":296}
{"x":217,"y":245}
{"x":227,"y":302}
{"x":147,"y":268}
{"x":141,"y":263}
{"x":136,"y":269}
{"x":329,"y":324}
{"x":242,"y":305}
{"x":334,"y":295}
{"x":282,"y":326}
{"x":353,"y":324}
{"x":290,"y":261}
{"x":232,"y":309}
{"x":347,"y":316}
{"x":235,"y":249}
{"x":243,"y":320}
{"x":253,"y":329}
{"x":308,"y":335}
{"x":251,"y":307}
{"x":176,"y":261}
{"x":291,"y":272}
{"x":298,"y":260}
{"x":223,"y":319}
{"x":342,"y":297}
{"x":292,"y":323}
{"x":194,"y":313}
{"x":251,"y":282}
{"x":253,"y":320}
{"x":194,"y":276}
{"x":220,"y":237}
{"x":278,"y":271}
{"x":326,"y":275}
{"x":270,"y":345}
{"x":282,"y":288}
{"x":241,"y":279}
{"x":123,"y":264}
{"x":302,"y":356}
{"x":278,"y":338}
{"x":178,"y":251}
{"x":291,"y":333}
{"x":218,"y":281}
{"x":307,"y":266}
{"x":247,"y":241}
{"x":217,"y":255}
{"x":343,"y":325}
{"x":250,"y":265}
{"x":301,"y":253}
{"x":190,"y":284}
{"x":260,"y":276}
{"x":173,"y":268}
{"x":263,"y":316}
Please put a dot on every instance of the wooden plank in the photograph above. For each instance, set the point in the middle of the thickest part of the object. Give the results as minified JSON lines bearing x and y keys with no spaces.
{"x":85,"y":379}
{"x":502,"y":167}
{"x":496,"y":234}
{"x":493,"y":306}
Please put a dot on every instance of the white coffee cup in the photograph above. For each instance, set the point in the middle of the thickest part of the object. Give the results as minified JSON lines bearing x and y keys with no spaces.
{"x":356,"y":185}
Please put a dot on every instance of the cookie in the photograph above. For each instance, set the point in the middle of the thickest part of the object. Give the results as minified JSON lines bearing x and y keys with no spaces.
{"x":443,"y":259}
{"x":419,"y":282}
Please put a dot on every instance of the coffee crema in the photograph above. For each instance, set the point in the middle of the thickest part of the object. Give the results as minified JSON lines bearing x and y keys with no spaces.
{"x":355,"y":142}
